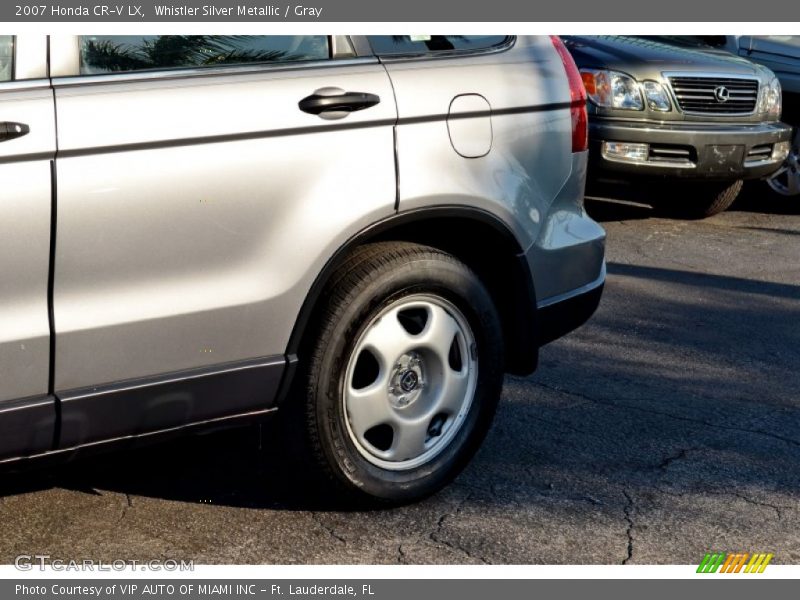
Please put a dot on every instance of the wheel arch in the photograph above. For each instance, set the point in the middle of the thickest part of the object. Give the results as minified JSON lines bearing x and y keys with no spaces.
{"x":476,"y":237}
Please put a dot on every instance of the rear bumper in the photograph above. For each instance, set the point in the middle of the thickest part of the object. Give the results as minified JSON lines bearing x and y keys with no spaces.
{"x":690,"y":150}
{"x":558,"y":316}
{"x":567,"y":260}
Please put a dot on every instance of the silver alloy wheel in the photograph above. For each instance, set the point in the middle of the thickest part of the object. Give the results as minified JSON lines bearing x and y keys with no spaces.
{"x":410,"y":382}
{"x":786,"y":180}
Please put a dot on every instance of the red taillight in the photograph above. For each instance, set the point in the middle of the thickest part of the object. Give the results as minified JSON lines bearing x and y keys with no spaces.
{"x":580,"y":120}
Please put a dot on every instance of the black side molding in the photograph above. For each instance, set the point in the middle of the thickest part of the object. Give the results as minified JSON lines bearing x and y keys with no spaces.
{"x":142,"y":406}
{"x":26,"y":426}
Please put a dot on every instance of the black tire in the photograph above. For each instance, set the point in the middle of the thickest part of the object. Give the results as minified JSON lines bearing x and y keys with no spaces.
{"x":700,"y":200}
{"x":373,"y":277}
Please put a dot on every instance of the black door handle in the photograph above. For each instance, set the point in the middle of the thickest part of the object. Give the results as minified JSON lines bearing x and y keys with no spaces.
{"x":10,"y":131}
{"x":339,"y":102}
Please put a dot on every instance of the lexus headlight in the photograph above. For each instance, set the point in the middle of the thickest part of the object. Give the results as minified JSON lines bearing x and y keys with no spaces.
{"x":657,"y":97}
{"x":770,"y":99}
{"x":611,"y":89}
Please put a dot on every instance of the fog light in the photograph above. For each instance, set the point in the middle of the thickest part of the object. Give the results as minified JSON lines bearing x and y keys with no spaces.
{"x":625,"y":151}
{"x":780,"y":151}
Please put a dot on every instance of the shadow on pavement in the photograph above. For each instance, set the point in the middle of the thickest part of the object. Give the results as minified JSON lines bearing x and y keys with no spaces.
{"x":243,"y":466}
{"x":682,"y":381}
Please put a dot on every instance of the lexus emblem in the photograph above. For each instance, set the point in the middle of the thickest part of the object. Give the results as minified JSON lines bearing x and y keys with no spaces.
{"x":722,"y":94}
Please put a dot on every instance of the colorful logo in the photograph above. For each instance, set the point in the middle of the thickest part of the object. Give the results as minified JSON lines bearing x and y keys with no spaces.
{"x":741,"y":562}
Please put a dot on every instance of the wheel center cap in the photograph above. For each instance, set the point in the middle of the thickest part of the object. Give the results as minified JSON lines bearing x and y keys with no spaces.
{"x":409,"y":381}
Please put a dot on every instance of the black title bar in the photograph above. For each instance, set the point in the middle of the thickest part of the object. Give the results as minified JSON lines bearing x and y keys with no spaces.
{"x":440,"y":11}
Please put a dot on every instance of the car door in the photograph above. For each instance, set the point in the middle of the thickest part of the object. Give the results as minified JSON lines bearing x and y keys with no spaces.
{"x":27,"y":148}
{"x":197,"y":201}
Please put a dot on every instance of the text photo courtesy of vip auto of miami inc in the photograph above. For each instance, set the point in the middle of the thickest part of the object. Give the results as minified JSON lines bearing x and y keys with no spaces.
{"x":512,"y":301}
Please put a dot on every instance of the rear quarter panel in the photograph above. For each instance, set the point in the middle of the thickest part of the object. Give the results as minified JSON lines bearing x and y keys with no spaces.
{"x":529,"y":158}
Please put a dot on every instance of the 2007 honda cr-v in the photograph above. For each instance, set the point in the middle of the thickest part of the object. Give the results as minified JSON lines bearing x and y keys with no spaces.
{"x":365,"y":231}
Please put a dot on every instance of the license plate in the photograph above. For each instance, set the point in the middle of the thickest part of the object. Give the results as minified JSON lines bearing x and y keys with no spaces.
{"x":724,"y":158}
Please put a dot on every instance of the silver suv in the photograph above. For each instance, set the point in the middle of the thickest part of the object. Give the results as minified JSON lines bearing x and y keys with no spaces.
{"x":364,"y":231}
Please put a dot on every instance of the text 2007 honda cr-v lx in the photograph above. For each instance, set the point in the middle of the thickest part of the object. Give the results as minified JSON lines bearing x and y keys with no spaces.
{"x":365,"y":232}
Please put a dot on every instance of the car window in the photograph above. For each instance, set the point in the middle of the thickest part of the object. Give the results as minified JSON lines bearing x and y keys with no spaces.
{"x":6,"y":57}
{"x":386,"y":45}
{"x":121,"y":53}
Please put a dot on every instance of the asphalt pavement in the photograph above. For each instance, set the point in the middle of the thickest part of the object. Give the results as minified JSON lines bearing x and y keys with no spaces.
{"x":666,"y":427}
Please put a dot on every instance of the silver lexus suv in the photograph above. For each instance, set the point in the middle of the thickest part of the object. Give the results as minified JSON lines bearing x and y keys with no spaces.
{"x":366,"y":232}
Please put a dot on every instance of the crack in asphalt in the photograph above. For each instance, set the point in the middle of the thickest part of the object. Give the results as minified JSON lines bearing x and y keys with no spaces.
{"x":128,"y":504}
{"x":436,"y":535}
{"x":630,"y":508}
{"x":668,"y":460}
{"x":628,"y":511}
{"x":778,"y":508}
{"x":551,"y":492}
{"x":331,"y":531}
{"x":612,"y":404}
{"x":459,"y":548}
{"x":775,"y":507}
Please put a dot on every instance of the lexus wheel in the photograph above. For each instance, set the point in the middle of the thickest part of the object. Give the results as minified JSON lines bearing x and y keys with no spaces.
{"x":786,"y":180}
